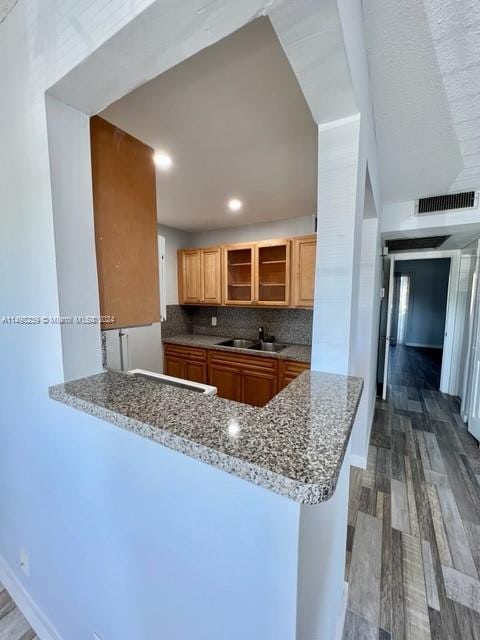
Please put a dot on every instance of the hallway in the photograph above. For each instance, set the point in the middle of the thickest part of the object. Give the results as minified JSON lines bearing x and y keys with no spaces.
{"x":413,"y":545}
{"x":416,"y":367}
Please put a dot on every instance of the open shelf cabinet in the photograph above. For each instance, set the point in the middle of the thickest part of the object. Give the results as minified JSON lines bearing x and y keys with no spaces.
{"x":272,"y":273}
{"x":239,"y":274}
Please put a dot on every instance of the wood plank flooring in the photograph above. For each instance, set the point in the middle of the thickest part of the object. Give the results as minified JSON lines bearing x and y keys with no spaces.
{"x":415,"y":367}
{"x":413,"y":544}
{"x":13,"y":625}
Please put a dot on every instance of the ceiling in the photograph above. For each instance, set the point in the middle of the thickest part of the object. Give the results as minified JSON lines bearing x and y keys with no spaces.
{"x":5,"y":7}
{"x":236,"y":124}
{"x":457,"y":236}
{"x":424,"y":58}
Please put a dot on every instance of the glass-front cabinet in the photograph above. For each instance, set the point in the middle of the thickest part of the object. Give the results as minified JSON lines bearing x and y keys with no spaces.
{"x":272,"y":281}
{"x":239,"y":280}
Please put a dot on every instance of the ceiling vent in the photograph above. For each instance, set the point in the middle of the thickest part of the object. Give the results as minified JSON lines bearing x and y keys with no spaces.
{"x":414,"y":244}
{"x":435,"y":204}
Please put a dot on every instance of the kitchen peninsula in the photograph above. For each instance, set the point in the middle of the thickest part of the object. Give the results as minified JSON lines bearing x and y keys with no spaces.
{"x":267,"y":536}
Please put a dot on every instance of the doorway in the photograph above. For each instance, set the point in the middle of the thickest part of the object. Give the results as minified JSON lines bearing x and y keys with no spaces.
{"x":419,"y":297}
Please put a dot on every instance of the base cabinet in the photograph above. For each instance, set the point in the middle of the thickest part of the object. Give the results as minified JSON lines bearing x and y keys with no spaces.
{"x":243,"y":378}
{"x":258,"y":388}
{"x":188,"y":363}
{"x":289,"y":370}
{"x":254,"y":380}
{"x":227,"y":380}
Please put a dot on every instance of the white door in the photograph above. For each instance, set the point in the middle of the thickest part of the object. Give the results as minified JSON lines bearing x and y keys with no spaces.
{"x":470,"y":328}
{"x":388,"y":330}
{"x":472,"y":377}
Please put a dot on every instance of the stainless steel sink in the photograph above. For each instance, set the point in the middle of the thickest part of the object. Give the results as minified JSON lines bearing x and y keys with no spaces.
{"x":236,"y":343}
{"x":274,"y":347}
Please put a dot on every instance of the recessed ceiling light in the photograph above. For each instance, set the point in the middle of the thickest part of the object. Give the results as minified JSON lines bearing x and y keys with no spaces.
{"x":234,"y":204}
{"x":163,"y":160}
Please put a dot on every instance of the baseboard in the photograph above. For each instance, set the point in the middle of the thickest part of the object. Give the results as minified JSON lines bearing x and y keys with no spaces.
{"x":424,"y":346}
{"x":35,"y":616}
{"x":358,"y":461}
{"x":343,"y":613}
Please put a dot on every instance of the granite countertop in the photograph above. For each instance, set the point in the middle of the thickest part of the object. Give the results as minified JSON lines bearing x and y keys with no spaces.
{"x":298,"y":352}
{"x":294,"y":446}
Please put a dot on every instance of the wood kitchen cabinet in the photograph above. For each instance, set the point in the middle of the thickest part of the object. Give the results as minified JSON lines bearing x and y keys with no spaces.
{"x":244,"y":378}
{"x":251,"y":379}
{"x":227,"y":378}
{"x":304,"y":251}
{"x":239,"y":274}
{"x":189,"y":363}
{"x":125,"y":220}
{"x":289,"y":370}
{"x":200,"y":276}
{"x":272,"y":273}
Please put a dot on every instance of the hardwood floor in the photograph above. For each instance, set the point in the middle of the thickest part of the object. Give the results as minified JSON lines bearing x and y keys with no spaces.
{"x":416,"y":367}
{"x":413,"y":543}
{"x":13,"y":625}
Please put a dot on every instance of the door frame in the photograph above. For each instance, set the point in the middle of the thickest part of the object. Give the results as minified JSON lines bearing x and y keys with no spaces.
{"x":473,"y":329}
{"x":450,"y":312}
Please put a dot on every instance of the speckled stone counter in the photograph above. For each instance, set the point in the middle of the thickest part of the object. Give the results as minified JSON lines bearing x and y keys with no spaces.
{"x":294,"y":446}
{"x":298,"y":352}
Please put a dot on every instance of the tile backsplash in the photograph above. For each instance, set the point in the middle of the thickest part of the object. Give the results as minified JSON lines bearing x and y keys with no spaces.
{"x":179,"y":320}
{"x":293,"y":326}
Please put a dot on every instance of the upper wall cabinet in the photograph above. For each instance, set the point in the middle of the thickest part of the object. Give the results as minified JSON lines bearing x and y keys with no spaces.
{"x":304,"y":252}
{"x":239,"y":270}
{"x":200,"y":276}
{"x":272,"y":273}
{"x":125,"y":217}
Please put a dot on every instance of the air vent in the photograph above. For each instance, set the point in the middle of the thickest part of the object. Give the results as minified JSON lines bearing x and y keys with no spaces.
{"x":427,"y":206}
{"x":414,"y":244}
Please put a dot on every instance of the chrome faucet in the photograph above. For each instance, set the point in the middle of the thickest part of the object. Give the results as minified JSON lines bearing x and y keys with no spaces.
{"x":261,"y":334}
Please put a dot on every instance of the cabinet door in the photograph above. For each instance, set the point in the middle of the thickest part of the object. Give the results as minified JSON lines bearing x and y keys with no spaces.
{"x":258,"y":388}
{"x":303,"y":270}
{"x":211,"y":276}
{"x":189,"y":280}
{"x":174,"y":366}
{"x":195,"y":371}
{"x":238,"y":269}
{"x":272,"y":273}
{"x":125,"y":219}
{"x":227,"y":380}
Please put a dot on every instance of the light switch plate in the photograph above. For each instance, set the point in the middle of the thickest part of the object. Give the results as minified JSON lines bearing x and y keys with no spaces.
{"x":214,"y":321}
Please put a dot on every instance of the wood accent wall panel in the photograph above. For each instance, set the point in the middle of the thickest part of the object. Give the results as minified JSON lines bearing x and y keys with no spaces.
{"x":125,"y":218}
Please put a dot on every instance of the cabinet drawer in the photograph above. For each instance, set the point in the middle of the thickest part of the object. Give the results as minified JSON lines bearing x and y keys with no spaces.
{"x":187,"y":353}
{"x":243,"y":362}
{"x":289,"y":370}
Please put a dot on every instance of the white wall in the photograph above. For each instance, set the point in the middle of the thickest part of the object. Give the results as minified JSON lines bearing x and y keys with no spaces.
{"x":79,"y":496}
{"x":174,"y":239}
{"x":338,"y":243}
{"x":265,"y":231}
{"x":462,"y":318}
{"x":76,"y":260}
{"x":400,"y":216}
{"x":366,"y":340}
